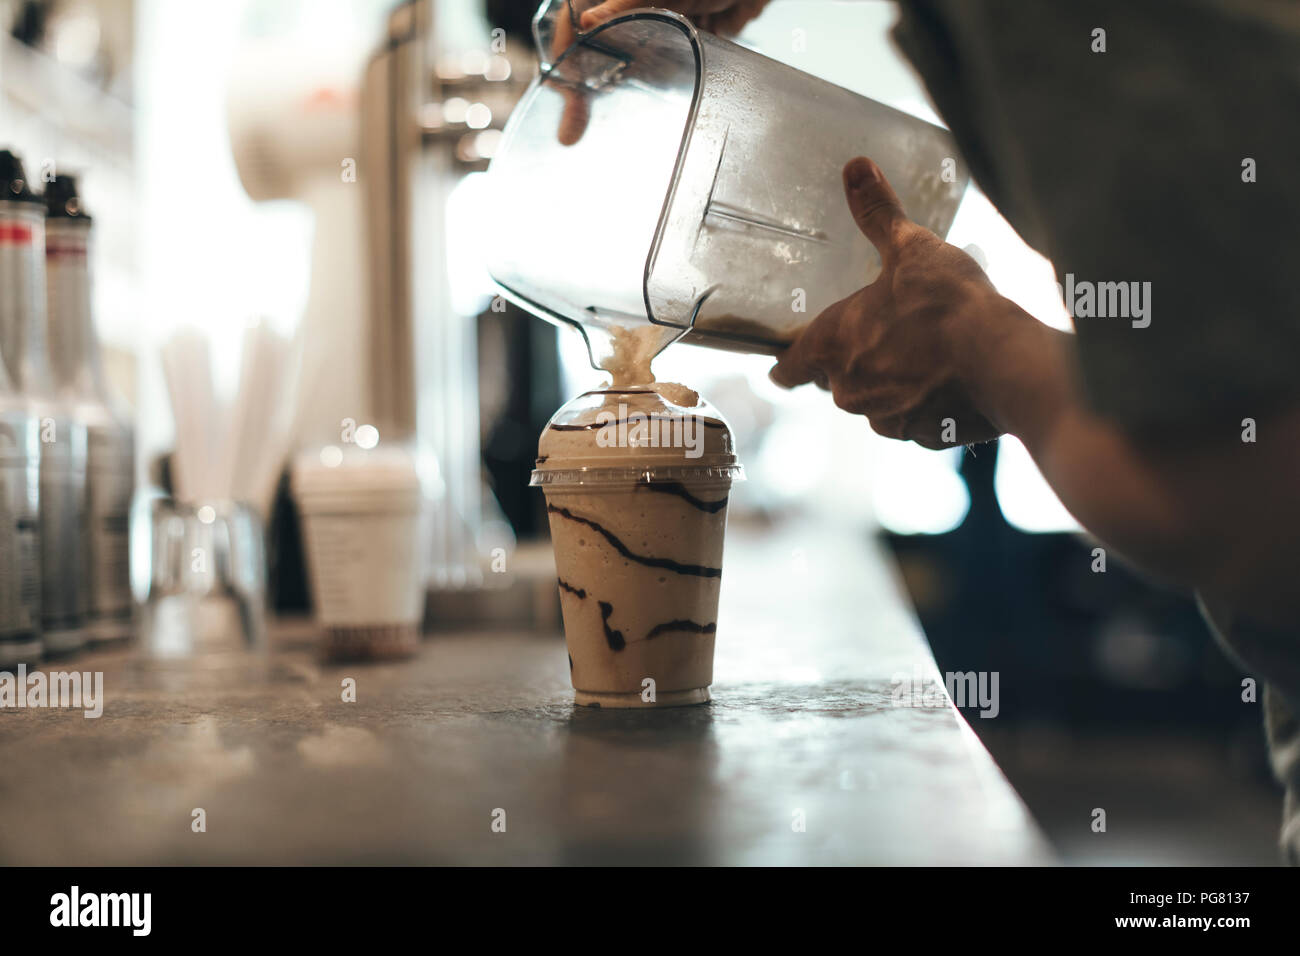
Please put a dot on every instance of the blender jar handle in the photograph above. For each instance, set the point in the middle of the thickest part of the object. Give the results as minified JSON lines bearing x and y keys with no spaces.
{"x":544,"y":25}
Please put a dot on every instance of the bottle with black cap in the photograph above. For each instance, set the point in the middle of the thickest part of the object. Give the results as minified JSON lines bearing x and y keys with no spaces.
{"x":78,"y":368}
{"x":62,"y":440}
{"x":20,"y":446}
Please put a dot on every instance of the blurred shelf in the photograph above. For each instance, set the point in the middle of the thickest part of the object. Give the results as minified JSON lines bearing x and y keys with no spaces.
{"x":51,"y":94}
{"x":51,"y":114}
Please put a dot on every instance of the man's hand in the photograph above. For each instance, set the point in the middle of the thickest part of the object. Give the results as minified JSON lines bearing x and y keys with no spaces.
{"x":718,"y":16}
{"x":898,"y":351}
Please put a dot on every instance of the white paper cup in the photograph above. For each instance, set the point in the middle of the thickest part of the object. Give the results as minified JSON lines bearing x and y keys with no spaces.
{"x":361,"y":523}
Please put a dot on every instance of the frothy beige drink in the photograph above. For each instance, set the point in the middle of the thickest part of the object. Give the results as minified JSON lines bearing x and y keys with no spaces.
{"x":636,"y":491}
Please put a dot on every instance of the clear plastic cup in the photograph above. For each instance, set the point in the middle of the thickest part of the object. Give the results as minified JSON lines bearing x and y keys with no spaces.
{"x":636,"y":490}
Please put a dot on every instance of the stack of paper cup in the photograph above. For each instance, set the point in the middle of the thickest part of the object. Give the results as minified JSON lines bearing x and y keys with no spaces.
{"x":361,"y":517}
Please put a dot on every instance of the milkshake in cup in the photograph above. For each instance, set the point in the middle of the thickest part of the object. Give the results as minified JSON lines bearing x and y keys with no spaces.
{"x":636,"y":479}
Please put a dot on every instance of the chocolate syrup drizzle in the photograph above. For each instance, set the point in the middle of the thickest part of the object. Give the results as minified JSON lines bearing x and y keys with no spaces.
{"x":678,"y":489}
{"x":615,"y":638}
{"x":650,"y":562}
{"x":566,"y":586}
{"x":692,"y":627}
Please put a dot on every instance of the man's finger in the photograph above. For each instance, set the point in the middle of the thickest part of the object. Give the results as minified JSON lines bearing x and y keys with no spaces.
{"x":732,"y":21}
{"x":564,"y":34}
{"x":576,"y":116}
{"x":577,"y":112}
{"x":874,"y":205}
{"x":892,"y":426}
{"x":801,"y":361}
{"x":609,"y":10}
{"x":791,"y":369}
{"x":729,"y":22}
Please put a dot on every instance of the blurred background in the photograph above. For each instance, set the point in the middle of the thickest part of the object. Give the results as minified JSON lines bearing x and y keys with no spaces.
{"x":214,"y":141}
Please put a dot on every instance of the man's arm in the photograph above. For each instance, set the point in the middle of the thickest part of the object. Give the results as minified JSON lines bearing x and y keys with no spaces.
{"x":932,"y":339}
{"x":1206,"y":510}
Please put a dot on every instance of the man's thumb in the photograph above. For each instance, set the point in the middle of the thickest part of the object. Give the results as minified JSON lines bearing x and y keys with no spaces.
{"x":874,"y":204}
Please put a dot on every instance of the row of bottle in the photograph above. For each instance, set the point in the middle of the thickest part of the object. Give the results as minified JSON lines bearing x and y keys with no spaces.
{"x":66,"y":446}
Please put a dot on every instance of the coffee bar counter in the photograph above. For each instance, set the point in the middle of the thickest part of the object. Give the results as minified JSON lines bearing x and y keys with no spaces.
{"x":472,"y":751}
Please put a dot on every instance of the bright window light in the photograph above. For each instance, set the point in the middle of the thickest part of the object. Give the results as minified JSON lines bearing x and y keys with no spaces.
{"x":918,"y":491}
{"x":1016,"y":270}
{"x":471,"y":286}
{"x":1027,"y":501}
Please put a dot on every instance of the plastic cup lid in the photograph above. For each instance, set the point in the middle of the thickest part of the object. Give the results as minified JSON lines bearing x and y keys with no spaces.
{"x":638,"y":435}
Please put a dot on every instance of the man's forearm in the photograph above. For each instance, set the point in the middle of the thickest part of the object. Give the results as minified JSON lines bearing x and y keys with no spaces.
{"x":1026,"y":384}
{"x":1198,"y":510}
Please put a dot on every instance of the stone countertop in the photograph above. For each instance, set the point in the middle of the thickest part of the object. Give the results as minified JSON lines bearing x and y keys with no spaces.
{"x":803,"y":726}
